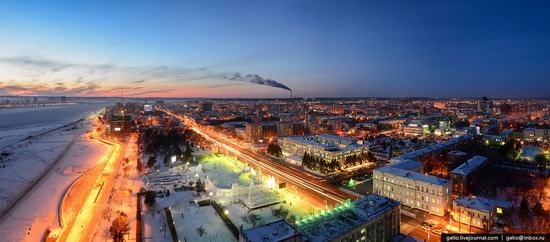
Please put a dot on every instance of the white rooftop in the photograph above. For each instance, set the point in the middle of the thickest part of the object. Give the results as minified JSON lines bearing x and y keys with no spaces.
{"x":470,"y":165}
{"x":343,"y":144}
{"x":414,"y":175}
{"x":476,"y":203}
{"x":432,"y":148}
{"x":326,"y":228}
{"x":407,"y":164}
{"x":272,"y":232}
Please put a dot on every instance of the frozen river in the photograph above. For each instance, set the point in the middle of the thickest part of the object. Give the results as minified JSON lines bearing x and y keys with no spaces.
{"x":20,"y":118}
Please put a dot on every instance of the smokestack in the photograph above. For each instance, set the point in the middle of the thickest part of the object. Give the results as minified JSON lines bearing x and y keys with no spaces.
{"x":290,"y":94}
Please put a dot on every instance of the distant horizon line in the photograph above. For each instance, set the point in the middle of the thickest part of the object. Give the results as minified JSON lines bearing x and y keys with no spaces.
{"x":221,"y":98}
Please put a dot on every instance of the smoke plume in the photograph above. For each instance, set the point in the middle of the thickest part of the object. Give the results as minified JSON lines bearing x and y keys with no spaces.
{"x":257,"y":79}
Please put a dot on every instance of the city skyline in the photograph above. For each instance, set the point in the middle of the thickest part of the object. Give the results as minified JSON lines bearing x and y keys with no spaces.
{"x":359,"y":49}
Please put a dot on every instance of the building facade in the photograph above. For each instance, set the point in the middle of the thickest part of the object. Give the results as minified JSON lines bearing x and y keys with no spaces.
{"x":466,"y":177}
{"x":474,"y":211}
{"x":534,"y":135}
{"x":260,"y":132}
{"x":328,"y":147}
{"x":413,"y":189}
{"x":484,"y":105}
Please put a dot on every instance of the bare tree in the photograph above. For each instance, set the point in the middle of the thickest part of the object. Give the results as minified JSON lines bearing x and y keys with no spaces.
{"x":201,"y":231}
{"x":119,"y":227}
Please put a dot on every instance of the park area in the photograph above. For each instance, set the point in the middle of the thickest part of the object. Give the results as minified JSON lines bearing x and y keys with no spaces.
{"x":242,"y":193}
{"x":241,"y":198}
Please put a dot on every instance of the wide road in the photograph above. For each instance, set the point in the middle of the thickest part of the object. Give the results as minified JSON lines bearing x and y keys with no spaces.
{"x":89,"y":216}
{"x":317,"y":191}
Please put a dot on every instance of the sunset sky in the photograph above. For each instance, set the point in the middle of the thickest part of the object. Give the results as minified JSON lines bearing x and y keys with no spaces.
{"x":317,"y":48}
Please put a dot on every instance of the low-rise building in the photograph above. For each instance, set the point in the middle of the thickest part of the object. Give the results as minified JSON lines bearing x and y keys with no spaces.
{"x":325,"y":146}
{"x":413,"y":130}
{"x":260,"y":132}
{"x":413,"y":189}
{"x":474,"y":211}
{"x":372,"y":218}
{"x":534,"y":135}
{"x":529,"y":153}
{"x":465,"y":178}
{"x":278,"y":231}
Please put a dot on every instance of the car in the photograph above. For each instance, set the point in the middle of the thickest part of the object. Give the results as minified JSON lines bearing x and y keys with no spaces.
{"x":425,"y":226}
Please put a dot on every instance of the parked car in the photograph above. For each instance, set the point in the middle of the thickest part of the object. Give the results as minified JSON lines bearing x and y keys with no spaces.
{"x":425,"y":226}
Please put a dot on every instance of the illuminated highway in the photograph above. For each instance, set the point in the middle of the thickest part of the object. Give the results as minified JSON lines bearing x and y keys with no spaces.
{"x":320,"y":193}
{"x":87,"y":219}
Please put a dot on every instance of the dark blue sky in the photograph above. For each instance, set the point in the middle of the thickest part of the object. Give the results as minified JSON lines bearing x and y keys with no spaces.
{"x":317,"y":48}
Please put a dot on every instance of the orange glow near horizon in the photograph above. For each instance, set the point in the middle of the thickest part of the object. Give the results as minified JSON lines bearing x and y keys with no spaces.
{"x":169,"y":90}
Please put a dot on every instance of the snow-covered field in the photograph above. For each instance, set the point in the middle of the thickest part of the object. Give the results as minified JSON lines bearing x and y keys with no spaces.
{"x":195,"y":217}
{"x":20,"y":123}
{"x":226,"y":173}
{"x":38,"y":209}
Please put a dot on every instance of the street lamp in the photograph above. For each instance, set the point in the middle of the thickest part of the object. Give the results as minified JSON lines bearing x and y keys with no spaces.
{"x":226,"y":212}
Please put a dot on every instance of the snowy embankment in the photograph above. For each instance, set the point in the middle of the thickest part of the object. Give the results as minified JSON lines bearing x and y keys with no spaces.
{"x":36,"y":175}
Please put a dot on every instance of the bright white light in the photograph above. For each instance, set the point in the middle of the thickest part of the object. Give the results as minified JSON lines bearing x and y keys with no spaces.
{"x":173,"y":159}
{"x":271,"y":182}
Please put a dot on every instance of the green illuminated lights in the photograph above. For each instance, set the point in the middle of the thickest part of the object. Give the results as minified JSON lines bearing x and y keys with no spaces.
{"x":351,"y":183}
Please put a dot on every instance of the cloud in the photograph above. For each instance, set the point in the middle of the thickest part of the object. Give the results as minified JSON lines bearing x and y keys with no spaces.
{"x":40,"y":76}
{"x":87,"y":89}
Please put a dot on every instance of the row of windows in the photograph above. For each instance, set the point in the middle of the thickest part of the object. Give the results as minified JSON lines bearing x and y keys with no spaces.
{"x":416,"y":187}
{"x":412,"y":202}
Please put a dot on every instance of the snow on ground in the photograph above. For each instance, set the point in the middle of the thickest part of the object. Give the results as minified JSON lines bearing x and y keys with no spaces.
{"x":28,"y":162}
{"x":224,"y":171}
{"x":12,"y":136}
{"x":193,"y":218}
{"x":19,"y":123}
{"x":152,"y":230}
{"x":123,"y":197}
{"x":238,"y":215}
{"x":38,"y":209}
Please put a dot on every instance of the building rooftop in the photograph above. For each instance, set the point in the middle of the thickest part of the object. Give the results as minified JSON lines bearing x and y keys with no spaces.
{"x":408,"y":164}
{"x":456,"y":152}
{"x":476,"y":203}
{"x":530,"y":152}
{"x":272,"y":232}
{"x":432,"y":148}
{"x":327,"y":142}
{"x":339,"y":221}
{"x":414,"y":175}
{"x":470,"y":165}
